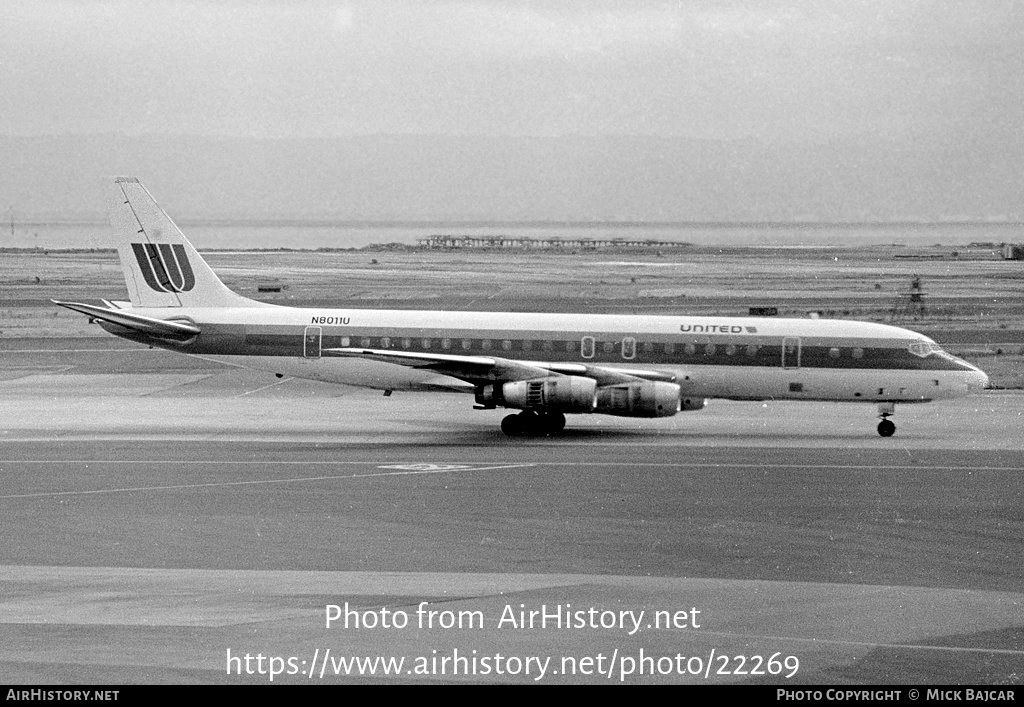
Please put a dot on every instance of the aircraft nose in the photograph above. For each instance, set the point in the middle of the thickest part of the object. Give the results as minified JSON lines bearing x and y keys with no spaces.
{"x":977,"y":381}
{"x":973,"y":378}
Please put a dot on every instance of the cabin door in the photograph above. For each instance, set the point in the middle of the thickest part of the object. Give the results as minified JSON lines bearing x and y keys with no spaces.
{"x":311,"y":342}
{"x":791,"y":352}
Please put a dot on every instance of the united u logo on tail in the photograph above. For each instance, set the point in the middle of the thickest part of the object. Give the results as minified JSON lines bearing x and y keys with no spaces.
{"x":165,"y":267}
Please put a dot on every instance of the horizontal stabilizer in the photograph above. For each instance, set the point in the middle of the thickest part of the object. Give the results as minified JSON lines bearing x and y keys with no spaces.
{"x":146,"y":325}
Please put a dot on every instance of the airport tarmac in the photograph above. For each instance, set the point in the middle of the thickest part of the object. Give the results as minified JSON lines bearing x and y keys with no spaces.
{"x":163,"y":517}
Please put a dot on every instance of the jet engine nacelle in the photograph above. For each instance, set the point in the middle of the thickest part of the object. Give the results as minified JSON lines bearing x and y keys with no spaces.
{"x":557,"y":394}
{"x":641,"y":399}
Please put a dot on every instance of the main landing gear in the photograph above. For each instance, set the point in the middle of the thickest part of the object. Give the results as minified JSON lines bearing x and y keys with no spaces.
{"x":532,"y":424}
{"x":886,"y":427}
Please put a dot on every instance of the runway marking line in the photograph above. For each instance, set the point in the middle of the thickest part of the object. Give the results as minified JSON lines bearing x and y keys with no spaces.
{"x":685,"y":444}
{"x":268,"y":385}
{"x":681,"y":465}
{"x":174,"y":487}
{"x":15,"y":351}
{"x":449,"y":467}
{"x":33,"y":371}
{"x":41,"y":369}
{"x":415,"y":469}
{"x":426,"y":467}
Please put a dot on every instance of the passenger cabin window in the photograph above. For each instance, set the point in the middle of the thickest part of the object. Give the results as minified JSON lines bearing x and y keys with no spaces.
{"x":629,"y":347}
{"x":365,"y":342}
{"x":690,"y":349}
{"x":345,"y":342}
{"x":406,"y":343}
{"x":446,"y":343}
{"x":547,"y":346}
{"x":467,"y":344}
{"x":587,"y":347}
{"x":426,"y":343}
{"x":506,"y":344}
{"x":730,"y":349}
{"x":385,"y":343}
{"x":833,"y":352}
{"x":857,"y":352}
{"x":752,"y":350}
{"x":607,"y":347}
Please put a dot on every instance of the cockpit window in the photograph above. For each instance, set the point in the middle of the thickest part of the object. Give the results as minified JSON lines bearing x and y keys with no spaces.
{"x":925,"y":348}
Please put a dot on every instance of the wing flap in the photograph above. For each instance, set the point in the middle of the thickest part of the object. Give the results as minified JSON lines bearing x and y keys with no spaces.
{"x":608,"y":376}
{"x":475,"y":369}
{"x":486,"y":369}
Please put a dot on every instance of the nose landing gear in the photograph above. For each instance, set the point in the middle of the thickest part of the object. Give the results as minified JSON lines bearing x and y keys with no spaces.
{"x":886,"y":428}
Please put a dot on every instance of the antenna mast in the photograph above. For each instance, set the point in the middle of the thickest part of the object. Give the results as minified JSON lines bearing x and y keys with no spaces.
{"x":910,"y":304}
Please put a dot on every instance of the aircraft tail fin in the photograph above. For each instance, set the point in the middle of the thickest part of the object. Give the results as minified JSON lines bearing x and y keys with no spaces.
{"x":161,"y":268}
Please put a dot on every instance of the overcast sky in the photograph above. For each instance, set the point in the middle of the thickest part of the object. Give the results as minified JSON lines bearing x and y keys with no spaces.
{"x":800,"y":73}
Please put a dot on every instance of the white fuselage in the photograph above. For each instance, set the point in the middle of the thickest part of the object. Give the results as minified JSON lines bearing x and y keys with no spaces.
{"x":713,"y":357}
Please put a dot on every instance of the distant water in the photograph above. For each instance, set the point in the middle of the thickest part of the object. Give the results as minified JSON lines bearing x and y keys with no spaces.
{"x":347,"y":235}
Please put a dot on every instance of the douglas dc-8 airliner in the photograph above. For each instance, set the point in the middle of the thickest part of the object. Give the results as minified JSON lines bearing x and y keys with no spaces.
{"x":544,"y":365}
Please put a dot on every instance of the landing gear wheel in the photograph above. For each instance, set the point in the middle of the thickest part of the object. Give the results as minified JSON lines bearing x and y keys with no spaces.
{"x":530,"y":424}
{"x":525,"y":424}
{"x":886,"y":427}
{"x":552,"y":423}
{"x":512,"y":426}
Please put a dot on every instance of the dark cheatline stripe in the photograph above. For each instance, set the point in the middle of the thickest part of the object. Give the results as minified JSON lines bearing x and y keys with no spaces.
{"x":186,"y":268}
{"x":145,"y":266}
{"x":221,"y":340}
{"x":171,"y":267}
{"x":272,"y":341}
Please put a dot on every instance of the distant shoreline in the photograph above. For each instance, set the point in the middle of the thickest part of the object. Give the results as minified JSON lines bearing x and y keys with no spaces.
{"x":683,"y":225}
{"x":654,"y":248}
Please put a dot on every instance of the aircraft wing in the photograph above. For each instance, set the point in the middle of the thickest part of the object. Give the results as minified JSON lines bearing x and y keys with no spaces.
{"x":169,"y":329}
{"x":480,"y":370}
